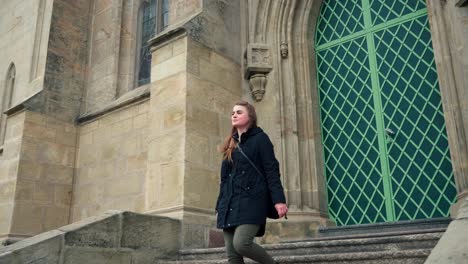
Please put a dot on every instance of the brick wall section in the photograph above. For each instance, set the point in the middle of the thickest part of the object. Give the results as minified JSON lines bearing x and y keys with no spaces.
{"x":111,"y":163}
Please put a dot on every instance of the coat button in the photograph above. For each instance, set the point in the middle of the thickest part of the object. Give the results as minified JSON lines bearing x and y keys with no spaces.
{"x":230,"y":209}
{"x":229,"y":224}
{"x":243,"y":172}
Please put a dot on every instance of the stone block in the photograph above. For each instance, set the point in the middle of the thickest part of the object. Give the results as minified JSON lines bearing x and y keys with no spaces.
{"x":174,"y":116}
{"x":128,"y":112}
{"x":202,"y":121}
{"x":162,"y":54}
{"x":58,"y":174}
{"x":88,"y":127}
{"x":135,"y":163}
{"x":43,"y":193}
{"x":124,"y":187}
{"x":69,"y":157}
{"x":211,"y":96}
{"x":140,"y":121}
{"x":453,"y":246}
{"x":101,"y":135}
{"x":108,"y":152}
{"x":168,"y":148}
{"x":6,"y":211}
{"x":7,"y":190}
{"x":62,"y":195}
{"x":7,"y":258}
{"x":179,"y":46}
{"x":195,"y":235}
{"x":50,"y":153}
{"x":43,"y":248}
{"x":29,"y":170}
{"x":24,"y":191}
{"x":35,"y":118}
{"x":27,"y":218}
{"x":64,"y":138}
{"x":144,"y":107}
{"x":168,"y":91}
{"x":169,"y":67}
{"x":121,"y":128}
{"x":102,"y":231}
{"x":197,"y":150}
{"x":39,"y":132}
{"x":55,"y":217}
{"x":144,"y":231}
{"x":75,"y":255}
{"x":197,"y":183}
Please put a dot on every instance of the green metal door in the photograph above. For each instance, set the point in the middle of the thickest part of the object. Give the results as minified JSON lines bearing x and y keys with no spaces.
{"x":385,"y":146}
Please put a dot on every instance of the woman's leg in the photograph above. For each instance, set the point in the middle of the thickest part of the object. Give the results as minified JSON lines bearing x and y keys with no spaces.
{"x":244,"y":244}
{"x":233,"y":256}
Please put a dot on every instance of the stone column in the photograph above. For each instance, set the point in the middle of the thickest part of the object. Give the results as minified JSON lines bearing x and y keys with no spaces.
{"x":448,"y":23}
{"x":37,"y":162}
{"x":194,"y":89}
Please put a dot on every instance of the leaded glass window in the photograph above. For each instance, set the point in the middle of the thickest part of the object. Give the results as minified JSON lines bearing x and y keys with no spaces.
{"x":153,"y":18}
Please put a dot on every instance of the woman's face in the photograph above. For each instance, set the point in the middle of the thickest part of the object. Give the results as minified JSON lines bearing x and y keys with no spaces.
{"x":240,"y":116}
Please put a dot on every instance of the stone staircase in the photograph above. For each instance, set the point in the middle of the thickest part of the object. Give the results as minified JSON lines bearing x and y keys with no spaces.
{"x":396,"y":243}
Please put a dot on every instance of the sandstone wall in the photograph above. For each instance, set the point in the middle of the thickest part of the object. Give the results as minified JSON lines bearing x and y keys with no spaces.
{"x":8,"y":171}
{"x":111,"y":163}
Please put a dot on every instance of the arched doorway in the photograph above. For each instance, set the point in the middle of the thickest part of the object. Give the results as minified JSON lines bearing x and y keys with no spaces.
{"x":385,"y":145}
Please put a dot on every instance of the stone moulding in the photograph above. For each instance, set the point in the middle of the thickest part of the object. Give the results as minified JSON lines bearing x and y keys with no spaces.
{"x":132,"y":97}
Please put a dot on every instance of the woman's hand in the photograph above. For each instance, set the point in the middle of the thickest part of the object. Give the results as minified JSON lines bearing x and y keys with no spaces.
{"x":282,"y":209}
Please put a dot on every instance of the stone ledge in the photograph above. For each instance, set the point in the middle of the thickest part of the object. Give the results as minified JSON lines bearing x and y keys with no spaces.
{"x":135,"y":96}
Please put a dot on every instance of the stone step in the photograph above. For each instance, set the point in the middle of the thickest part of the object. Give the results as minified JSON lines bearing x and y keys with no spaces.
{"x":410,"y":226}
{"x":417,"y":256}
{"x":336,"y":246}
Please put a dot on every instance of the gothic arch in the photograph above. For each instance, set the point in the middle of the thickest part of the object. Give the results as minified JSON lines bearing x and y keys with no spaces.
{"x":287,"y":28}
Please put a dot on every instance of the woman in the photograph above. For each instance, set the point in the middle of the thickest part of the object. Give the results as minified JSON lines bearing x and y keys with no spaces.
{"x":250,"y":185}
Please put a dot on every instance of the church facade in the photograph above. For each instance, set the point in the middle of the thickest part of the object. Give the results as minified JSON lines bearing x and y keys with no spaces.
{"x":120,"y":105}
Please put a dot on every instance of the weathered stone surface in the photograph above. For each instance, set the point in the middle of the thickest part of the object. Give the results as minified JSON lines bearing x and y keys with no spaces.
{"x":144,"y":231}
{"x":453,"y":246}
{"x":104,"y":233}
{"x":76,"y":255}
{"x":44,"y":248}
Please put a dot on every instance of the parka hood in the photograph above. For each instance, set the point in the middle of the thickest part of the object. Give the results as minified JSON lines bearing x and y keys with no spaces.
{"x":250,"y":132}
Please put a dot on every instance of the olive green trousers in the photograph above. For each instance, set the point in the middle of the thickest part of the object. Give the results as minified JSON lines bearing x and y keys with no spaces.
{"x":239,"y":244}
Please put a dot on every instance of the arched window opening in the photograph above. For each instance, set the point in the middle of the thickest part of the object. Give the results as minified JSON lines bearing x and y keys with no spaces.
{"x":6,"y":101}
{"x":153,"y":18}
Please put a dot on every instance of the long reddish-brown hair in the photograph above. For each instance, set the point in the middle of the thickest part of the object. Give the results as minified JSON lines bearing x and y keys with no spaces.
{"x":229,"y":144}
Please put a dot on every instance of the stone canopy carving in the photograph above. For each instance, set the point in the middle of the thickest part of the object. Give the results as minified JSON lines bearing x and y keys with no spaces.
{"x":258,"y":65}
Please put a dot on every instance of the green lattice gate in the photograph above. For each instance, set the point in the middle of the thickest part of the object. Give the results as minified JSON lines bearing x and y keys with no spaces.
{"x":385,"y":145}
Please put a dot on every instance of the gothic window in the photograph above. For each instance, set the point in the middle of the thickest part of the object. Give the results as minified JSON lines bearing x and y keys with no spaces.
{"x":153,"y":18}
{"x":6,"y":101}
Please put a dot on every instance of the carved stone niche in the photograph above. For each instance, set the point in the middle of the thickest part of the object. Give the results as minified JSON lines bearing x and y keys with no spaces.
{"x":258,"y":65}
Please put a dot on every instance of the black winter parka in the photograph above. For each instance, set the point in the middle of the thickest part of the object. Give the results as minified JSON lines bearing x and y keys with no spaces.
{"x":243,"y":196}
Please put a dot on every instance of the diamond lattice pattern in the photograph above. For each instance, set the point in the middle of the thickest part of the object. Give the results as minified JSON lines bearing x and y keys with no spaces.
{"x":420,"y":168}
{"x":386,"y":10}
{"x":355,"y":189}
{"x":416,"y":166}
{"x":339,"y":19}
